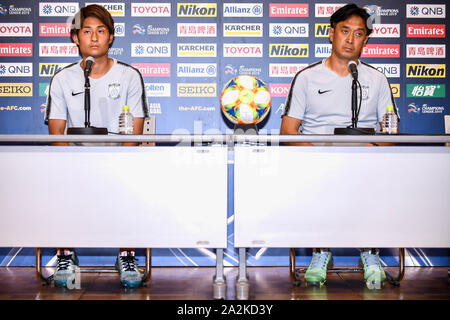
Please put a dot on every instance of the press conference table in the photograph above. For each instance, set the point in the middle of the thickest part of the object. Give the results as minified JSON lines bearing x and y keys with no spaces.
{"x":340,"y":197}
{"x":285,"y":197}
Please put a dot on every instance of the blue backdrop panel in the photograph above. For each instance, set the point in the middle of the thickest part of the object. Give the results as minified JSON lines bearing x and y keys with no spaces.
{"x":186,"y":54}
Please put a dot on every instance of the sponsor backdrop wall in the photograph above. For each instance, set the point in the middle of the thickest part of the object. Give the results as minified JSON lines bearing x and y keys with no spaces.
{"x":187,"y":51}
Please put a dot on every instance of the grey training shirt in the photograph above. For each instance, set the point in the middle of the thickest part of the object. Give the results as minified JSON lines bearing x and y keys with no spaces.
{"x":121,"y":85}
{"x":322,"y":99}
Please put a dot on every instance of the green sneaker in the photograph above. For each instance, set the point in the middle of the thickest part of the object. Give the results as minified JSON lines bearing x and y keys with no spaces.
{"x":130,"y":276}
{"x":65,"y":268}
{"x":316,"y":275}
{"x":373,"y":272}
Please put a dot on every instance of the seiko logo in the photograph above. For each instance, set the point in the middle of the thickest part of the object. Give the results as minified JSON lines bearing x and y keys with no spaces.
{"x":248,"y":10}
{"x":197,"y":29}
{"x":197,"y":9}
{"x":289,"y":50}
{"x":16,"y":89}
{"x":150,"y":10}
{"x":425,"y":50}
{"x":196,"y":90}
{"x":425,"y":30}
{"x":14,"y":69}
{"x":425,"y":71}
{"x":58,"y":9}
{"x":289,"y":30}
{"x":242,"y":50}
{"x":16,"y":29}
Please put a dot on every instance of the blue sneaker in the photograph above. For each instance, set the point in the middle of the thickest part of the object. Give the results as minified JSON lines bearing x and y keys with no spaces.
{"x":374,"y":274}
{"x":65,"y":268}
{"x":130,"y":276}
{"x":316,"y":275}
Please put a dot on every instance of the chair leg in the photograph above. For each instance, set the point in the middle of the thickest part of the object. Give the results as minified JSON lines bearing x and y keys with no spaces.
{"x":38,"y":268}
{"x":148,"y":265}
{"x":401,"y":269}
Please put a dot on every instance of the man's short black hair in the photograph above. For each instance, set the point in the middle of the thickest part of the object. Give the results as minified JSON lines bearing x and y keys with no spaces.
{"x":346,"y":12}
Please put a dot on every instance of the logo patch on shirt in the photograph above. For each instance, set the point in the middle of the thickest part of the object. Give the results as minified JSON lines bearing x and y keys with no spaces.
{"x":323,"y":91}
{"x":365,"y":92}
{"x":114,"y":90}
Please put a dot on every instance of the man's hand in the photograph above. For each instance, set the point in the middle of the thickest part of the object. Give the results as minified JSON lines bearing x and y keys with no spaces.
{"x":138,"y":128}
{"x":57,"y":127}
{"x":291,"y":125}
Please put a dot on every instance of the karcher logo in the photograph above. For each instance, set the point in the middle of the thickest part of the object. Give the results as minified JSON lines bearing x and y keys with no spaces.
{"x":322,"y":30}
{"x":197,"y":9}
{"x":196,"y":90}
{"x":16,"y":89}
{"x":425,"y":70}
{"x":296,"y":50}
{"x":49,"y":69}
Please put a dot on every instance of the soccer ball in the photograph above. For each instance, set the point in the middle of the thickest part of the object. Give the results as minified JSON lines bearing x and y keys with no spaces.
{"x":245,"y":100}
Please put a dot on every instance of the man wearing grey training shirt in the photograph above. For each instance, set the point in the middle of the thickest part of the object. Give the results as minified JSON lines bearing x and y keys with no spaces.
{"x":320,"y":101}
{"x":113,"y":84}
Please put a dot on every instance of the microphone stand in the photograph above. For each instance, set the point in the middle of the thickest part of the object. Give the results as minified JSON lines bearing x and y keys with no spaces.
{"x":353,"y":128}
{"x":87,"y":112}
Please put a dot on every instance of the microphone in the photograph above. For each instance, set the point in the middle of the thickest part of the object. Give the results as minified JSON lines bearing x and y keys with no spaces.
{"x":353,"y":69}
{"x":88,"y":66}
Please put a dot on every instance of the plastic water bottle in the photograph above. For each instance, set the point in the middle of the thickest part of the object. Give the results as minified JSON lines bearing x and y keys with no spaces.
{"x":390,"y":121}
{"x":126,"y":121}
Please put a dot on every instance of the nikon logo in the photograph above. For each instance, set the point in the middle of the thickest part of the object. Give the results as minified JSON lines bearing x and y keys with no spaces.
{"x":16,"y":89}
{"x":322,"y":30}
{"x":289,"y":50}
{"x":196,"y":90}
{"x":197,"y":9}
{"x":425,"y":70}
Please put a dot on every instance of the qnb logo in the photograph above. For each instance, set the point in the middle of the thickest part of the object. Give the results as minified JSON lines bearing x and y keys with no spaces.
{"x":412,"y":107}
{"x":138,"y":29}
{"x":414,"y":11}
{"x":139,"y":50}
{"x":425,"y":10}
{"x":277,"y":29}
{"x":47,"y":9}
{"x":2,"y":69}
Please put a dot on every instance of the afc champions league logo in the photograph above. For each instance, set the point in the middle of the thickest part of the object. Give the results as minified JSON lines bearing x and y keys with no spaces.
{"x":114,"y":90}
